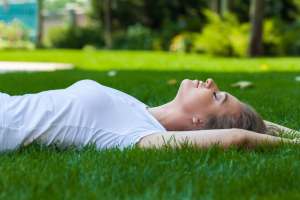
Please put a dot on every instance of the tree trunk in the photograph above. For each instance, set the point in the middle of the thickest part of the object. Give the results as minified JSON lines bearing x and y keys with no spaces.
{"x":214,"y":5}
{"x":107,"y":23}
{"x":256,"y":17}
{"x":39,"y":38}
{"x":226,"y":5}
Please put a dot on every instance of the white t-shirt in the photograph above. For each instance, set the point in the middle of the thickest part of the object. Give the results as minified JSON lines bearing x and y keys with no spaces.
{"x":84,"y":113}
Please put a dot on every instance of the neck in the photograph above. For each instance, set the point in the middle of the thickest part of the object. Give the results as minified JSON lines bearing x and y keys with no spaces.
{"x":170,"y":116}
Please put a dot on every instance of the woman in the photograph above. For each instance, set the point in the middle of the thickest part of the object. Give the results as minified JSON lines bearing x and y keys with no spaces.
{"x":90,"y":113}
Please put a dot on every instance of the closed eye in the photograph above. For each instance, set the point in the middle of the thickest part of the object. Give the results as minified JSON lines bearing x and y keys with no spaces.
{"x":215,"y":95}
{"x":223,"y":98}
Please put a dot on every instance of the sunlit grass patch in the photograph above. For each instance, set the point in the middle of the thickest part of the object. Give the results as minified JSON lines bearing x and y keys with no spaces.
{"x":146,"y":60}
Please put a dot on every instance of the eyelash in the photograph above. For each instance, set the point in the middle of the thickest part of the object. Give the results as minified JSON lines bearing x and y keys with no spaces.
{"x":215,"y":95}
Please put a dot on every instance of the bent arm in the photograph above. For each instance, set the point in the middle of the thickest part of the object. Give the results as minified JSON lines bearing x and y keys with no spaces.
{"x":277,"y":130}
{"x":207,"y":138}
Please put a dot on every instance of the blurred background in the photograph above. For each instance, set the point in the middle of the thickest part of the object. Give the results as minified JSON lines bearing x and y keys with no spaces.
{"x":236,"y":28}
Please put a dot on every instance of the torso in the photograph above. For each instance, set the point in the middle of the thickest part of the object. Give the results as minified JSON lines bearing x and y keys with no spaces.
{"x":84,"y":113}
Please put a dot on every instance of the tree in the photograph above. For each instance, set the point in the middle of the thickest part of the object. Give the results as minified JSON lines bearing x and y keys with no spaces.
{"x":40,"y":23}
{"x":221,"y":6}
{"x":256,"y":18}
{"x":224,"y":7}
{"x":214,"y":5}
{"x":107,"y":23}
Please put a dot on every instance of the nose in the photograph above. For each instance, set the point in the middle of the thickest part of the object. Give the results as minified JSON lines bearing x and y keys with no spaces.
{"x":211,"y":84}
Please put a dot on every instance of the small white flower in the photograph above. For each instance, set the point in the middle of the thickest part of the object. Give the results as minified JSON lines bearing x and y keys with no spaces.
{"x":112,"y":73}
{"x":297,"y":78}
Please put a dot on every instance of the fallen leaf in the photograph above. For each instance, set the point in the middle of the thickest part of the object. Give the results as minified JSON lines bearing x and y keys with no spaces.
{"x":242,"y":84}
{"x":172,"y":82}
{"x":112,"y":73}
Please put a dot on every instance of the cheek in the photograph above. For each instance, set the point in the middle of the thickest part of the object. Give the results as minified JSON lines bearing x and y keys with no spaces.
{"x":195,"y":101}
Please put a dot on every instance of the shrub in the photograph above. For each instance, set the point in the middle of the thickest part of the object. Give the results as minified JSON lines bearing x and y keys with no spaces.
{"x":135,"y":37}
{"x":182,"y":42}
{"x":14,"y":36}
{"x":290,"y":42}
{"x":75,"y":37}
{"x":226,"y":37}
{"x":280,"y":38}
{"x":168,"y":31}
{"x":272,"y":38}
{"x":229,"y":37}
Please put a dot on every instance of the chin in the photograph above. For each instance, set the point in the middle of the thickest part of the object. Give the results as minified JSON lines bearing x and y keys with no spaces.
{"x":185,"y":91}
{"x":186,"y":84}
{"x":184,"y":87}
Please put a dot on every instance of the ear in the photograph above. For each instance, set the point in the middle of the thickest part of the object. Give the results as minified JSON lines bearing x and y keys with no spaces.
{"x":197,"y":121}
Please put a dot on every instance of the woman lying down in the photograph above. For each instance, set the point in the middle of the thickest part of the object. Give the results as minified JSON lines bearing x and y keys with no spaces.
{"x":88,"y":113}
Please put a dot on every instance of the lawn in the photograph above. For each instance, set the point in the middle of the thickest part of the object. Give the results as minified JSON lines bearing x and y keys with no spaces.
{"x":265,"y":173}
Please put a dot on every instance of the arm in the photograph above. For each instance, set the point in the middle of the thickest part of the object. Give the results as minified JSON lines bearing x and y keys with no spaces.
{"x":207,"y":138}
{"x":278,"y":130}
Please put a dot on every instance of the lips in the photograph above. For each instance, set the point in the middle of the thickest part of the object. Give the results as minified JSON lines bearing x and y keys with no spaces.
{"x":196,"y":83}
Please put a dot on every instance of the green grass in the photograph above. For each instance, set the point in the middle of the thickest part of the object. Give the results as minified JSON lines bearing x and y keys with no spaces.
{"x":129,"y":60}
{"x":264,"y":173}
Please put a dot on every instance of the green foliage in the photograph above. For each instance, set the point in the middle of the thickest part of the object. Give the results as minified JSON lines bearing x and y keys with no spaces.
{"x":286,"y":10}
{"x":182,"y":42}
{"x":14,"y":36}
{"x":164,"y":19}
{"x":58,"y":6}
{"x":226,"y":37}
{"x":153,"y":14}
{"x":75,"y":37}
{"x":136,"y":37}
{"x":272,"y":37}
{"x":168,"y":31}
{"x":280,"y":38}
{"x":175,"y":25}
{"x":291,"y":39}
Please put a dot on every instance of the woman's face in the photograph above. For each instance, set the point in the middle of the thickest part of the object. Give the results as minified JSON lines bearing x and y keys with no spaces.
{"x":204,"y":98}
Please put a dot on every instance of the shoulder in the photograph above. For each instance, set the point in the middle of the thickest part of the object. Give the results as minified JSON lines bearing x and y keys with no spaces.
{"x":85,"y":83}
